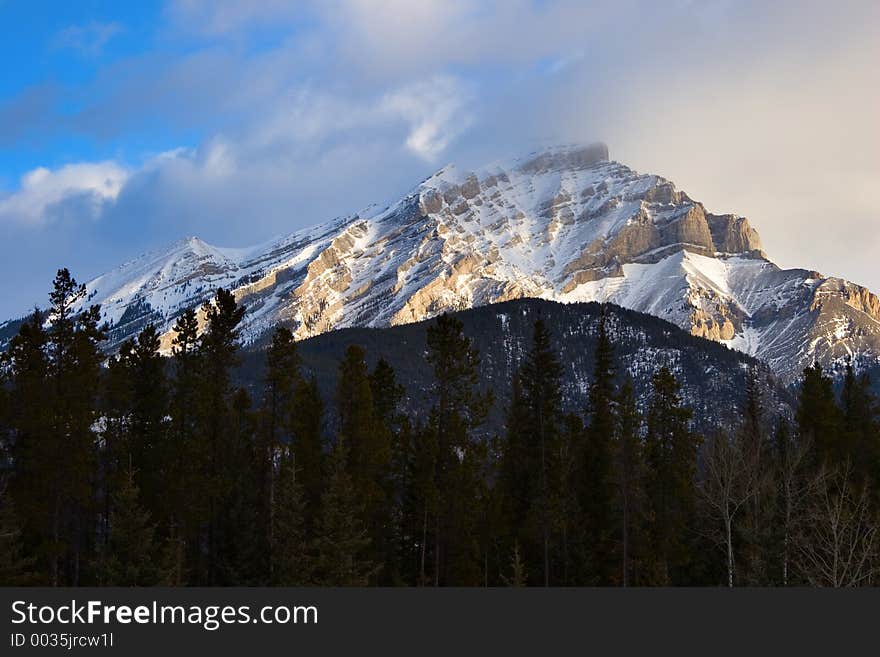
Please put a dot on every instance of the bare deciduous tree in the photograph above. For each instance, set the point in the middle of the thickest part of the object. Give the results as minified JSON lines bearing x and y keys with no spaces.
{"x":837,"y":541}
{"x":795,"y":488}
{"x":730,"y":480}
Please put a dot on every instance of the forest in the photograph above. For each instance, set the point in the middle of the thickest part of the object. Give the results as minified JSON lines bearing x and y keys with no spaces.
{"x":141,"y":469}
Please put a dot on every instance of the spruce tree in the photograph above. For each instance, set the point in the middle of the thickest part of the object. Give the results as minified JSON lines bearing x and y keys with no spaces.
{"x":276,"y":431}
{"x":148,"y":426}
{"x":342,"y":540}
{"x":216,"y":444}
{"x":540,"y":378}
{"x":458,"y":409}
{"x":393,"y":429}
{"x":628,"y":468}
{"x":596,"y":482}
{"x":753,"y":447}
{"x":73,"y":372}
{"x":186,"y":465}
{"x":242,"y":549}
{"x":861,"y":425}
{"x":293,"y":562}
{"x":129,"y":558}
{"x":15,"y":566}
{"x":387,"y":394}
{"x":308,"y":447}
{"x":571,"y":530}
{"x":32,"y":446}
{"x":519,"y":478}
{"x":818,"y":417}
{"x":367,"y":439}
{"x":670,"y":455}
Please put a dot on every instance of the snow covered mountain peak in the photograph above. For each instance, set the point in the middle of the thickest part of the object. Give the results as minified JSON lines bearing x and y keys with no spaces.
{"x":564,"y":223}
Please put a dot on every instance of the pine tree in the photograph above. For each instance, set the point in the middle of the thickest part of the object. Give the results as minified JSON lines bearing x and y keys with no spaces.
{"x":752,"y":447}
{"x":15,"y":567}
{"x":629,"y":473}
{"x":216,"y":444}
{"x":186,"y":471}
{"x":457,"y":410}
{"x":129,"y":559}
{"x":148,"y":429}
{"x":387,"y":398}
{"x":73,"y":372}
{"x":861,"y":425}
{"x":32,"y":446}
{"x":292,"y":557}
{"x":387,"y":394}
{"x":540,"y":378}
{"x":369,"y":445}
{"x":243,"y":552}
{"x":670,"y":454}
{"x":423,"y":501}
{"x":342,"y":539}
{"x":818,"y":417}
{"x":308,"y":447}
{"x":571,"y":448}
{"x":596,"y":481}
{"x":519,"y":477}
{"x":277,"y":423}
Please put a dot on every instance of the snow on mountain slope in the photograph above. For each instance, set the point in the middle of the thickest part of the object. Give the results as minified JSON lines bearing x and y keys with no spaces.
{"x":565,"y":224}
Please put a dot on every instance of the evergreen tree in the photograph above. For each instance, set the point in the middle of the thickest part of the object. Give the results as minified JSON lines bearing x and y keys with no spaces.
{"x":186,"y":466}
{"x":519,"y":476}
{"x":129,"y":558}
{"x":629,"y":473}
{"x":571,"y":448}
{"x":216,"y":444}
{"x":387,"y":397}
{"x":818,"y":416}
{"x":670,"y":454}
{"x":308,"y":447}
{"x":387,"y":394}
{"x":292,"y":558}
{"x":596,"y":481}
{"x":148,"y":429}
{"x":369,"y":446}
{"x":342,"y":539}
{"x":15,"y":567}
{"x":73,"y":375}
{"x":277,"y":422}
{"x":32,"y":448}
{"x":243,"y":552}
{"x":540,"y":378}
{"x":861,"y":425}
{"x":457,"y":410}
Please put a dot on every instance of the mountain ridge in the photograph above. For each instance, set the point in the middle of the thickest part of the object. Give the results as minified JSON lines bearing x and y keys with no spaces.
{"x":565,"y":223}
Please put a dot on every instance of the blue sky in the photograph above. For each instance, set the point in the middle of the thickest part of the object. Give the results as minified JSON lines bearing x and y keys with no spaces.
{"x":127,"y":125}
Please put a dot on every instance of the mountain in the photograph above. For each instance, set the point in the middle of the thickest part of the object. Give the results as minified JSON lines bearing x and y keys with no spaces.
{"x":566,"y":224}
{"x":713,"y":377}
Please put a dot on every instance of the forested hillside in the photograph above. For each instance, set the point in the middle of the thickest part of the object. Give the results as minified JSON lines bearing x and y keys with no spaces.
{"x":518,"y":444}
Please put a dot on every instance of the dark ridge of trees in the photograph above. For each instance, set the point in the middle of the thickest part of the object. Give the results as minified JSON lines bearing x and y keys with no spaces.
{"x":143,"y":470}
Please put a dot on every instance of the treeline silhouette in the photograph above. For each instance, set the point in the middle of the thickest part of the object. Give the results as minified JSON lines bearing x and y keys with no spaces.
{"x":144,"y":470}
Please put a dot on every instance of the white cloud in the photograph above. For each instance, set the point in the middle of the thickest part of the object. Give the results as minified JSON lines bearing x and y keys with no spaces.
{"x":435,"y":112}
{"x":88,"y":39}
{"x":43,"y":192}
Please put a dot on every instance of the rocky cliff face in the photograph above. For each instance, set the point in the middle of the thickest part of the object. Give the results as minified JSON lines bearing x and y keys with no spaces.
{"x":566,"y":224}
